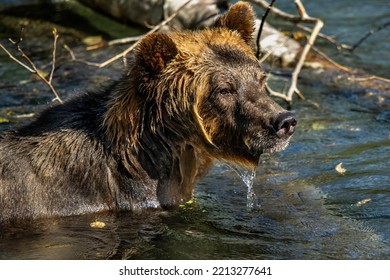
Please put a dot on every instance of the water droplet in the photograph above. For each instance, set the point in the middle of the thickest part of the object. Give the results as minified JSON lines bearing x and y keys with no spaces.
{"x":247,"y":176}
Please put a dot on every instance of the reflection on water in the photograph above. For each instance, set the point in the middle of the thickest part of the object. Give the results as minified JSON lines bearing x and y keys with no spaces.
{"x":308,"y":210}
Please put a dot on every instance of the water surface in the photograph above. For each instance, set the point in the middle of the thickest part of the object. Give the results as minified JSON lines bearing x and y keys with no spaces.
{"x":296,"y":207}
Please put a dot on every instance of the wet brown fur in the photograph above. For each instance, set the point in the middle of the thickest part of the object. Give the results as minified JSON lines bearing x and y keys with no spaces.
{"x":187,"y":100}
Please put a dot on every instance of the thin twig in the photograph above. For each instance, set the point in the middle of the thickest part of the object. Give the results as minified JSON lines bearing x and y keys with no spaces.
{"x":368,"y":34}
{"x":277,"y":12}
{"x":125,"y":40}
{"x":261,"y":28}
{"x":53,"y":64}
{"x":326,"y":57}
{"x":275,"y":93}
{"x":156,"y":28}
{"x":15,"y":59}
{"x":326,"y":37}
{"x":372,"y":77}
{"x":296,"y":19}
{"x":32,"y":68}
{"x":294,"y":78}
{"x":135,"y":39}
{"x":348,"y":70}
{"x":303,"y":17}
{"x":72,"y":55}
{"x":301,"y":10}
{"x":74,"y":58}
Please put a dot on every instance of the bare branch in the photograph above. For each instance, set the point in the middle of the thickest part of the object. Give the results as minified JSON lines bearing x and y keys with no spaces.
{"x":156,"y":28}
{"x":326,"y":37}
{"x":346,"y":69}
{"x":74,"y":58}
{"x":16,"y":60}
{"x":301,"y":10}
{"x":275,"y":93}
{"x":72,"y":55}
{"x":32,"y":68}
{"x":135,"y":39}
{"x":125,"y":40}
{"x":53,"y":64}
{"x":368,"y":34}
{"x":303,"y":17}
{"x":372,"y":77}
{"x":296,"y":20}
{"x":279,"y":13}
{"x":294,"y":78}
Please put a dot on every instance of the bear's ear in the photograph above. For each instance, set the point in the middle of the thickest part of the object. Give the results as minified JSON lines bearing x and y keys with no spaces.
{"x":154,"y":52}
{"x":240,"y":18}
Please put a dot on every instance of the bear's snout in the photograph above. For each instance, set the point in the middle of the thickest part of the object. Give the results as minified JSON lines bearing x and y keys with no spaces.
{"x":284,"y":125}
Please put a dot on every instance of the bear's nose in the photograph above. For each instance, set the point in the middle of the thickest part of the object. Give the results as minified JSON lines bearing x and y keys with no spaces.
{"x":284,"y":125}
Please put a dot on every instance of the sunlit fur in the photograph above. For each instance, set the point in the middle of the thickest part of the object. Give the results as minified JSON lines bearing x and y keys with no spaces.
{"x":186,"y":100}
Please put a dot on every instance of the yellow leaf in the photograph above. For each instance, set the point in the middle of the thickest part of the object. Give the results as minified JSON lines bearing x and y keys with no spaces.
{"x":340,"y":169}
{"x":93,"y":40}
{"x":3,"y":120}
{"x":97,"y":224}
{"x":57,"y":246}
{"x":191,"y":201}
{"x":362,"y":202}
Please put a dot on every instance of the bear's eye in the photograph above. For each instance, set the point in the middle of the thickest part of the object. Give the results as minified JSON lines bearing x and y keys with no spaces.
{"x":227,"y":92}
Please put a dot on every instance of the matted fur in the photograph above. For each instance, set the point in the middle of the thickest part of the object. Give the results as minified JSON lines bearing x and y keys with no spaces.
{"x":188,"y":99}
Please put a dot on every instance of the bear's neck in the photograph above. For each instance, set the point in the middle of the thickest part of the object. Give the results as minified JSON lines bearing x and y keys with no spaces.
{"x":152,"y":146}
{"x":172,"y":163}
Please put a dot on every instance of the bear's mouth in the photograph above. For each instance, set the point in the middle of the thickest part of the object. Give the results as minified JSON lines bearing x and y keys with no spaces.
{"x":270,"y":143}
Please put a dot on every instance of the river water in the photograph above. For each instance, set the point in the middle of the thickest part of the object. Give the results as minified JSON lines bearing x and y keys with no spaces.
{"x":297,"y":206}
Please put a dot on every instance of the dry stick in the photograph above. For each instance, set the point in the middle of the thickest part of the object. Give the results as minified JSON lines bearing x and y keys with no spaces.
{"x":326,"y":37}
{"x":156,"y":28}
{"x":33,"y":69}
{"x":125,"y":40}
{"x":294,"y":78}
{"x":303,"y":17}
{"x":53,"y":63}
{"x":317,"y":27}
{"x":296,"y":20}
{"x":74,"y":58}
{"x":346,"y":69}
{"x":372,"y":77}
{"x":16,"y":60}
{"x":275,"y":93}
{"x":368,"y":34}
{"x":277,"y":12}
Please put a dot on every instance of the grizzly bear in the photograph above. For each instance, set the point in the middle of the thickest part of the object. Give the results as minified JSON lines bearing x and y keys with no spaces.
{"x":188,"y":99}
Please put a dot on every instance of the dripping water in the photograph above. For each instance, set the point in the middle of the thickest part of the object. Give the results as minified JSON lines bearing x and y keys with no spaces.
{"x":247,"y":176}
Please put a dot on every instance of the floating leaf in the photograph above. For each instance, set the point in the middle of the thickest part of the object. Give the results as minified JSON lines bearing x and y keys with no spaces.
{"x":340,"y":169}
{"x":362,"y":202}
{"x":191,"y":201}
{"x":97,"y":224}
{"x":92,"y":40}
{"x":317,"y":126}
{"x":57,"y":246}
{"x":3,"y":120}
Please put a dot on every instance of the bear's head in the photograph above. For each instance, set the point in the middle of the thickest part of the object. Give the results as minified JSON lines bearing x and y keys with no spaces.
{"x":205,"y":88}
